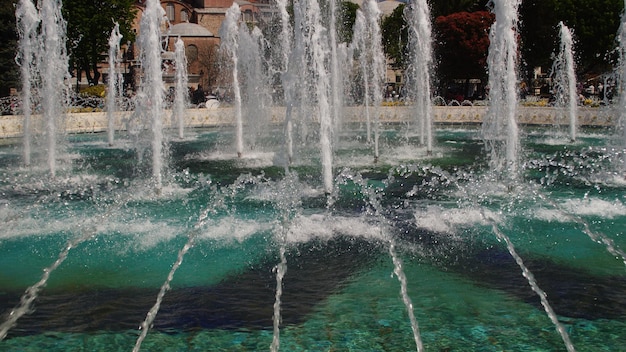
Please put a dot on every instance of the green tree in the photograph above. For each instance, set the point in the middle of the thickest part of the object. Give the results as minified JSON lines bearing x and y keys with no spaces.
{"x":538,"y":27}
{"x":345,"y":21}
{"x":395,"y":37}
{"x":594,"y":23}
{"x":9,"y":72}
{"x":89,"y":25}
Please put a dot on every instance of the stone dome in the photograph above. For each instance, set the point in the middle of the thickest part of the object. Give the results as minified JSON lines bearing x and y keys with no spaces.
{"x":186,"y":29}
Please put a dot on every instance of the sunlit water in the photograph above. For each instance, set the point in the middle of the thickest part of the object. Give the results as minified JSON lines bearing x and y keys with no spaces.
{"x":339,"y":291}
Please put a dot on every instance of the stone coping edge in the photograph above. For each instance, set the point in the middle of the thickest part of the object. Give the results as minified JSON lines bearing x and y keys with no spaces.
{"x":11,"y":125}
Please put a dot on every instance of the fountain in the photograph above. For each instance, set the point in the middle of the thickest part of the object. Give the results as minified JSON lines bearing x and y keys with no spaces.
{"x":28,"y":20}
{"x":500,"y":128}
{"x":150,"y":106}
{"x":256,"y":89}
{"x":230,"y":44}
{"x":621,"y":74}
{"x":368,"y":46}
{"x":115,"y":80}
{"x":415,"y":252}
{"x":43,"y":60}
{"x":420,"y":37}
{"x":564,"y":72}
{"x":181,"y":96}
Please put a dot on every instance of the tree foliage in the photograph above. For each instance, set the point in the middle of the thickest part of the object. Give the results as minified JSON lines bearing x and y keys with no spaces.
{"x":594,"y":23}
{"x":9,"y":73}
{"x":395,"y":37}
{"x":345,"y":20}
{"x":447,"y":7}
{"x":462,"y":44}
{"x":89,"y":25}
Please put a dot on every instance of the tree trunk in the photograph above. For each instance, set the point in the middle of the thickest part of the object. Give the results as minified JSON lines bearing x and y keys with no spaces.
{"x":88,"y":74}
{"x":96,"y":73}
{"x":79,"y":75}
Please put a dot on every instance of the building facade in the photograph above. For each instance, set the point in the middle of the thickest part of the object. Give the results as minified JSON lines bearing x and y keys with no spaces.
{"x":197,"y":24}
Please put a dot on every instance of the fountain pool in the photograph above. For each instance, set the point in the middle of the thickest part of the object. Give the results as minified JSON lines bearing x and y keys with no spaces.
{"x":115,"y":241}
{"x":301,"y":241}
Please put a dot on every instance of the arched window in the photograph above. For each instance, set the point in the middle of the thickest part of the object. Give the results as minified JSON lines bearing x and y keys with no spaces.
{"x":248,"y":16}
{"x":170,"y":12}
{"x":184,"y":15}
{"x":192,"y":53}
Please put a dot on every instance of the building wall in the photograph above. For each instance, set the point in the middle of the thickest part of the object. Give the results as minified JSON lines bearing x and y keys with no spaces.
{"x":209,"y":14}
{"x":213,"y":20}
{"x":217,"y":3}
{"x":174,"y":11}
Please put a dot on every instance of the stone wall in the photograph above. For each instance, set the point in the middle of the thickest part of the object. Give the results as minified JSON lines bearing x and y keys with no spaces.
{"x":212,"y":19}
{"x":11,"y":125}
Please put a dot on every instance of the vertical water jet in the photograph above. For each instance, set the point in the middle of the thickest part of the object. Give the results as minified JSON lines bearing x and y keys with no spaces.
{"x":254,"y":84}
{"x":565,"y":79}
{"x":181,"y":97}
{"x":621,"y":74}
{"x":53,"y":63}
{"x":421,"y":66}
{"x":229,"y":32}
{"x":28,"y":20}
{"x":500,"y":130}
{"x":367,"y":45}
{"x":320,"y":55}
{"x":152,"y":87}
{"x":286,"y":40}
{"x":336,"y":74}
{"x":114,"y":81}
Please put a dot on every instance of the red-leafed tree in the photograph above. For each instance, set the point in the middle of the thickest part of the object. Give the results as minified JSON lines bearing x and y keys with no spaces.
{"x":462,"y":44}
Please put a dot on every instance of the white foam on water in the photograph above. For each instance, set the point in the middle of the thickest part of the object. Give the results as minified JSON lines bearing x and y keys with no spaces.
{"x":147,"y":233}
{"x":248,"y":158}
{"x":582,"y":207}
{"x":40,"y":220}
{"x":406,"y":152}
{"x":254,"y":159}
{"x":38,"y":182}
{"x":388,"y":156}
{"x":321,"y":226}
{"x":438,"y":219}
{"x":18,"y":225}
{"x":562,"y":139}
{"x":145,"y":191}
{"x":611,"y":179}
{"x":474,"y":132}
{"x":233,"y":229}
{"x":617,"y":180}
{"x":173,"y":191}
{"x":551,"y":215}
{"x":75,"y":180}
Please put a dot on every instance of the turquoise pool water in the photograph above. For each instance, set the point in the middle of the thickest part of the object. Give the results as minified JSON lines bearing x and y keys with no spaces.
{"x":339,"y":291}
